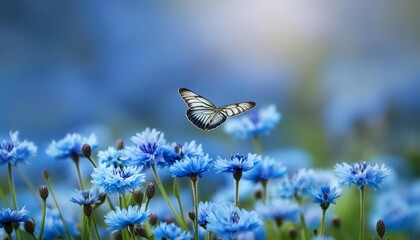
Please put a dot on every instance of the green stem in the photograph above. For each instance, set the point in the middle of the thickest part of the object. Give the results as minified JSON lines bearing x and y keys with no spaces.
{"x":79,"y":175}
{"x":257,"y":144}
{"x":194,"y":183}
{"x":44,"y":210}
{"x":265,"y":194}
{"x":269,"y":229}
{"x":92,"y":162}
{"x":165,"y":196}
{"x":362,"y":211}
{"x":209,"y":235}
{"x":96,"y":228}
{"x":13,"y":193}
{"x":305,"y":233}
{"x":121,"y":205}
{"x":147,"y":204}
{"x":178,"y":199}
{"x":12,"y":186}
{"x":321,"y":229}
{"x":237,"y":193}
{"x":110,"y":203}
{"x":58,"y":208}
{"x":85,"y":228}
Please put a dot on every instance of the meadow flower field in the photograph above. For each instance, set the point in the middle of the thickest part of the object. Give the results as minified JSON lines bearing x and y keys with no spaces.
{"x":275,"y":120}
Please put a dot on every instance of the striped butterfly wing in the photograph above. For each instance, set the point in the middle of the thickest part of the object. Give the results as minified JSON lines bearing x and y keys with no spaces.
{"x":202,"y":113}
{"x":237,"y":108}
{"x":205,"y":115}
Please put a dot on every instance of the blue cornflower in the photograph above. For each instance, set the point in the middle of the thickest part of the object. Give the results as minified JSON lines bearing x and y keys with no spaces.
{"x":254,"y":124}
{"x":298,"y":185}
{"x":174,"y":152}
{"x":189,"y":167}
{"x":71,"y":146}
{"x":203,"y":209}
{"x":113,"y":157}
{"x":85,"y":197}
{"x":265,"y":169}
{"x":237,"y":163}
{"x":324,"y":195}
{"x":117,"y":180}
{"x":361,"y":174}
{"x":148,"y":149}
{"x":9,"y":216}
{"x":170,"y":231}
{"x":14,"y":151}
{"x":123,"y":218}
{"x":227,"y":220}
{"x":279,"y":209}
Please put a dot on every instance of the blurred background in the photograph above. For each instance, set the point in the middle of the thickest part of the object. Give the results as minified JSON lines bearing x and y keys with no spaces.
{"x":344,"y":75}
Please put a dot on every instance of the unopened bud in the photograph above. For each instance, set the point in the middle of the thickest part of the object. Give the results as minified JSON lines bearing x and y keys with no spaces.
{"x":86,"y":150}
{"x":138,"y":196}
{"x":380,"y":228}
{"x":29,"y":226}
{"x":139,"y":231}
{"x":43,"y":192}
{"x":153,"y":219}
{"x":336,"y":222}
{"x":258,"y":194}
{"x":191,"y":215}
{"x":119,"y":144}
{"x":150,"y":190}
{"x":292,"y":234}
{"x":315,"y":232}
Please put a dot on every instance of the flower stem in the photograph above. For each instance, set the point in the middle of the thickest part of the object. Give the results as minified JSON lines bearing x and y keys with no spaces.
{"x":92,"y":162}
{"x":98,"y":236}
{"x":209,"y":235}
{"x":362,"y":210}
{"x":305,"y":233}
{"x":256,"y":142}
{"x":44,"y":210}
{"x":124,"y":232}
{"x":13,"y":193}
{"x":178,"y":199}
{"x":194,"y":183}
{"x":321,"y":229}
{"x":265,"y":194}
{"x":237,"y":193}
{"x":58,"y":207}
{"x":110,"y":203}
{"x":165,"y":196}
{"x":85,"y":228}
{"x":79,"y":175}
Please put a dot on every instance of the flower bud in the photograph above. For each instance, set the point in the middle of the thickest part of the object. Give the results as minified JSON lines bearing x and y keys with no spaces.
{"x":138,"y":196}
{"x":29,"y":226}
{"x":119,"y":144}
{"x":191,"y":215}
{"x":258,"y":194}
{"x":153,"y":219}
{"x":139,"y":231}
{"x":336,"y":222}
{"x":292,"y":234}
{"x":150,"y":190}
{"x":86,"y":150}
{"x":43,"y":192}
{"x":380,"y":228}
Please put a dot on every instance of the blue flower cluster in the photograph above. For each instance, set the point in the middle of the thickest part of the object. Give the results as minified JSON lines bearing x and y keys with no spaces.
{"x":14,"y":151}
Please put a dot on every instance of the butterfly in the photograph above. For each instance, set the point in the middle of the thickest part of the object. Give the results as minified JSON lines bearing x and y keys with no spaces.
{"x":205,"y":115}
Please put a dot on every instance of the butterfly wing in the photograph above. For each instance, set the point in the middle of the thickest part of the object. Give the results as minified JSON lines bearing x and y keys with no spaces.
{"x":206,"y":119}
{"x":237,"y":108}
{"x":205,"y":115}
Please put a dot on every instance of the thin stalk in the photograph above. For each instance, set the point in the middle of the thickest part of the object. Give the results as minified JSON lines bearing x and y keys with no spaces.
{"x":95,"y":226}
{"x":85,"y":228}
{"x":92,"y":162}
{"x":131,"y":232}
{"x":209,"y":235}
{"x":121,"y":205}
{"x":256,"y":142}
{"x":9,"y":236}
{"x":79,"y":175}
{"x":110,"y":203}
{"x":44,"y":210}
{"x":13,"y":193}
{"x":58,"y":208}
{"x":305,"y":233}
{"x":322,"y":228}
{"x":194,"y":183}
{"x":265,"y":194}
{"x":237,"y":193}
{"x":175,"y":189}
{"x":269,"y":229}
{"x":165,"y":196}
{"x":362,"y":212}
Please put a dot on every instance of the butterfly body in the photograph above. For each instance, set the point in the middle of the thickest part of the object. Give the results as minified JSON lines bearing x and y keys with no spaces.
{"x":205,"y":115}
